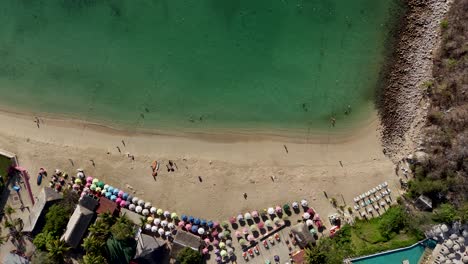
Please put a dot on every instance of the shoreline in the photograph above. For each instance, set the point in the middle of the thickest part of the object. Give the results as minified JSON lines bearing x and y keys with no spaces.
{"x":226,"y":135}
{"x":402,"y":105}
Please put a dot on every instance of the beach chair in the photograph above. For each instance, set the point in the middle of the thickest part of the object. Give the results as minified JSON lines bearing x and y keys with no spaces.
{"x":376,"y":207}
{"x":363,"y":204}
{"x":388,"y":200}
{"x":372,"y":200}
{"x":378,"y":197}
{"x":382,"y":203}
{"x":379,"y":187}
{"x":385,"y":184}
{"x":356,"y":207}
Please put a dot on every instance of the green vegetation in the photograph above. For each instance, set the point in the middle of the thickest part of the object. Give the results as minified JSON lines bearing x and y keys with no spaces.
{"x":110,"y":240}
{"x":50,"y":248}
{"x":189,"y":256}
{"x":395,"y":228}
{"x":443,"y":174}
{"x":5,"y":164}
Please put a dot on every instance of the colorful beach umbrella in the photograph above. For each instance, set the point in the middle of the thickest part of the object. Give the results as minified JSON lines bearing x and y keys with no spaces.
{"x":242,"y":242}
{"x":202,"y":221}
{"x":240,"y":217}
{"x":100,"y":184}
{"x":174,"y":216}
{"x":138,"y":209}
{"x":295,"y":205}
{"x":141,"y":203}
{"x":196,"y":221}
{"x":271,"y":211}
{"x":306,"y":216}
{"x":147,"y":205}
{"x":159,"y":212}
{"x":222,"y":245}
{"x":148,"y":227}
{"x":261,"y":225}
{"x":98,"y":189}
{"x":153,"y":210}
{"x":154,"y":229}
{"x":171,"y":225}
{"x":188,"y":227}
{"x":268,"y":223}
{"x":191,"y":218}
{"x":118,"y":200}
{"x":125,"y":196}
{"x":145,"y":212}
{"x":245,"y":230}
{"x":238,"y":234}
{"x":156,"y":221}
{"x":164,"y":223}
{"x":135,"y":200}
{"x":113,"y":197}
{"x":106,"y":186}
{"x":116,"y":191}
{"x":194,"y":229}
{"x":253,"y":228}
{"x":250,"y":238}
{"x":120,"y":193}
{"x":77,"y":181}
{"x":210,"y":224}
{"x":92,"y":187}
{"x":123,"y":203}
{"x":95,"y":181}
{"x":304,"y":203}
{"x":215,"y":224}
{"x":184,"y":218}
{"x":110,"y":189}
{"x":286,"y":207}
{"x":255,"y":214}
{"x":89,"y":179}
{"x":181,"y":224}
{"x":201,"y":231}
{"x":247,"y":216}
{"x":131,"y":207}
{"x":108,"y":195}
{"x":161,"y":231}
{"x":223,"y":253}
{"x":278,"y":209}
{"x":225,"y":224}
{"x":167,"y":214}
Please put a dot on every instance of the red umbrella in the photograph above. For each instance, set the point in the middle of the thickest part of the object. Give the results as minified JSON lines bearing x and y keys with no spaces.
{"x":214,"y":233}
{"x":311,"y":211}
{"x":261,"y":225}
{"x":232,"y":219}
{"x":205,"y":251}
{"x":316,"y":217}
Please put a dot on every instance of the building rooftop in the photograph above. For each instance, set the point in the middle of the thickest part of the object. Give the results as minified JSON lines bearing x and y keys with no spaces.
{"x":77,"y":226}
{"x":106,"y":205}
{"x":45,"y":199}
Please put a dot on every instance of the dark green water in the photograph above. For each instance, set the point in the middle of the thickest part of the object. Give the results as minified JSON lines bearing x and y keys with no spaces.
{"x":194,"y":64}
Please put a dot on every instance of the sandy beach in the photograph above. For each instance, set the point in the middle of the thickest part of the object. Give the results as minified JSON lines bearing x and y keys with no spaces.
{"x":228,"y":166}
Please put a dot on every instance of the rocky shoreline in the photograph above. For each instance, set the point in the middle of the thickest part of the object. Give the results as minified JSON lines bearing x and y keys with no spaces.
{"x":401,"y":102}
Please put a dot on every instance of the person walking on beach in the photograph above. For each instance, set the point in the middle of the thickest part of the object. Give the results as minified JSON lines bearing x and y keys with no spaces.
{"x":245,"y":196}
{"x":118,"y":149}
{"x":333,"y":121}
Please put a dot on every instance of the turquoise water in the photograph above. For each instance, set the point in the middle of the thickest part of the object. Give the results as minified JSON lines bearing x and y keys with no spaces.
{"x":412,"y":254}
{"x":194,"y":64}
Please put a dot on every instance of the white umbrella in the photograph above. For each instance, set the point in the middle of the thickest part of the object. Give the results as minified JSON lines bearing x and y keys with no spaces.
{"x":167,"y":214}
{"x":168,"y":233}
{"x":141,"y":203}
{"x":465,"y":259}
{"x":131,"y":207}
{"x":145,"y":212}
{"x":240,"y":217}
{"x":295,"y":205}
{"x":247,"y":216}
{"x":154,"y":229}
{"x":456,"y":247}
{"x":309,"y":222}
{"x":451,"y":256}
{"x":80,"y":175}
{"x":157,"y":221}
{"x":461,"y":240}
{"x":164,"y":223}
{"x":147,"y":205}
{"x":444,"y":228}
{"x":161,"y":231}
{"x":449,"y":243}
{"x":171,"y":225}
{"x":438,"y":231}
{"x":147,"y":226}
{"x":453,"y":236}
{"x":201,"y":231}
{"x":138,"y":209}
{"x":271,"y":211}
{"x":135,"y":200}
{"x":153,"y":210}
{"x":304,"y":203}
{"x":306,"y":215}
{"x":465,"y":233}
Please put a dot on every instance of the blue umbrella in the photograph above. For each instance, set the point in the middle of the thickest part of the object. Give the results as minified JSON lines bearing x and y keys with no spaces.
{"x":129,"y":198}
{"x":108,"y":194}
{"x":113,"y":197}
{"x":203,"y":222}
{"x":194,"y":228}
{"x":196,"y":221}
{"x":184,"y":218}
{"x":210,"y":224}
{"x":190,"y":218}
{"x":125,"y":196}
{"x":110,"y":189}
{"x":116,"y":191}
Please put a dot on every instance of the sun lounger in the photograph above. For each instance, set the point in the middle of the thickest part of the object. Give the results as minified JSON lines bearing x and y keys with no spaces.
{"x":382,"y":203}
{"x":376,"y":207}
{"x":385,"y":184}
{"x":363,"y":204}
{"x":369,"y":210}
{"x":388,"y":200}
{"x":378,"y":197}
{"x":356,"y":207}
{"x":379,"y":187}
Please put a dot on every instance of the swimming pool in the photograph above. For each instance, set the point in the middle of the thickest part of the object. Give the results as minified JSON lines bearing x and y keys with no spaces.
{"x":412,"y":254}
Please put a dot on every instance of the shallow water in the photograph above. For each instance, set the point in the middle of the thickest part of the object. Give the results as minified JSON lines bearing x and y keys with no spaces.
{"x":194,"y":64}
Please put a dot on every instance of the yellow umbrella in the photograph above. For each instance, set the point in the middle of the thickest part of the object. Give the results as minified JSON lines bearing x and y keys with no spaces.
{"x":160,"y":211}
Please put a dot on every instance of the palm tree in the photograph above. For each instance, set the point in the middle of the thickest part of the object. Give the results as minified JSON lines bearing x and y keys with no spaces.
{"x":9,"y":211}
{"x":57,"y":249}
{"x":100,"y":230}
{"x":93,"y":244}
{"x":94,"y":259}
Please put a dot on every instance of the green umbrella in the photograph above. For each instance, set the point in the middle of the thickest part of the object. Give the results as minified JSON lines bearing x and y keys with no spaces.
{"x":286,"y":207}
{"x":93,"y":187}
{"x":227,"y":233}
{"x":312,"y":231}
{"x":174,"y":216}
{"x":253,"y":228}
{"x":242,"y":242}
{"x":223,"y":253}
{"x":100,"y":184}
{"x":225,"y":224}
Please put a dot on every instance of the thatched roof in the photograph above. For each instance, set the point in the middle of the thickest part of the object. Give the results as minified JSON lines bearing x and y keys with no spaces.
{"x":150,"y":250}
{"x":77,"y":226}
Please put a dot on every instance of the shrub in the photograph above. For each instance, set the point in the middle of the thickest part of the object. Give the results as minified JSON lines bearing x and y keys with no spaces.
{"x":56,"y":220}
{"x":444,"y":24}
{"x":446,"y":213}
{"x":189,"y":256}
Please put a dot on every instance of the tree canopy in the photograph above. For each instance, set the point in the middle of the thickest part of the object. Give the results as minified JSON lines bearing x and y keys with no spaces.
{"x":189,"y":256}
